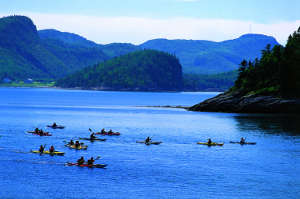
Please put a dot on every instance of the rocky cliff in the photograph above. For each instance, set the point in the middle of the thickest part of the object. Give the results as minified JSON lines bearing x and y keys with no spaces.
{"x":237,"y":103}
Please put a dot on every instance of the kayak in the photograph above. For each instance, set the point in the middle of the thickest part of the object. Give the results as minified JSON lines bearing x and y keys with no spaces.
{"x":250,"y":143}
{"x":211,"y":144}
{"x":86,"y":165}
{"x":107,"y":133}
{"x":47,"y":152}
{"x":44,"y":133}
{"x":148,"y":143}
{"x":56,"y":127}
{"x":78,"y":148}
{"x":92,"y":140}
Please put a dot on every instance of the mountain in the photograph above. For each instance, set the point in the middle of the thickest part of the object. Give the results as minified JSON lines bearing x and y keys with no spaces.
{"x":207,"y":57}
{"x":110,"y":50}
{"x":25,"y":55}
{"x":145,"y":70}
{"x":51,"y":54}
{"x":66,"y":37}
{"x":196,"y":56}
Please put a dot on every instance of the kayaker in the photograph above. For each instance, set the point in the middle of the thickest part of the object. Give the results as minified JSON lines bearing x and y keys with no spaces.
{"x":51,"y":150}
{"x":242,"y":141}
{"x":91,"y":161}
{"x":148,"y":139}
{"x":54,"y":124}
{"x":77,"y":144}
{"x":41,"y":132}
{"x":41,"y":150}
{"x":80,"y":161}
{"x":71,"y":142}
{"x":103,"y":131}
{"x":36,"y":130}
{"x":209,"y":141}
{"x":92,"y":136}
{"x":110,"y":132}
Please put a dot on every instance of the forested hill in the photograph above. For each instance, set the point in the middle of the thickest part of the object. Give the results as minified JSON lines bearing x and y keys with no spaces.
{"x":23,"y":54}
{"x":145,"y":70}
{"x":270,"y":84}
{"x":207,"y":57}
{"x":277,"y":73}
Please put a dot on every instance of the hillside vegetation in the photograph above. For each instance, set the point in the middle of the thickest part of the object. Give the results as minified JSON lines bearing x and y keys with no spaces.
{"x":23,"y":54}
{"x":276,"y":73}
{"x":145,"y":70}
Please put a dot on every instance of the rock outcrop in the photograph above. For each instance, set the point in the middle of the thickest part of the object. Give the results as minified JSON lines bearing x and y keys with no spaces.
{"x":236,"y":103}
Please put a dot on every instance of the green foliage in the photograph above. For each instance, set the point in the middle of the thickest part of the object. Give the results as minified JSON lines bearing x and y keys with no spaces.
{"x":277,"y":72}
{"x":24,"y":55}
{"x":202,"y":82}
{"x":141,"y":70}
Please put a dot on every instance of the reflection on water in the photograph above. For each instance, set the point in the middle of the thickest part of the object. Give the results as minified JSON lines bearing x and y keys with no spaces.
{"x":270,"y":124}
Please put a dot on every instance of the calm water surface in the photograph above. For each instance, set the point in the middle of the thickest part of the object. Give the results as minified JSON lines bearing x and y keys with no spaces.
{"x":178,"y":168}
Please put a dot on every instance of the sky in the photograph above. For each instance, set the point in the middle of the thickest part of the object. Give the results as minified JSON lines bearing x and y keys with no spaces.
{"x":136,"y":21}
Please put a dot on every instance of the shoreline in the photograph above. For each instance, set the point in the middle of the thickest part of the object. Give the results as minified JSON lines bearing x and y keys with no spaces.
{"x":234,"y":102}
{"x":117,"y":90}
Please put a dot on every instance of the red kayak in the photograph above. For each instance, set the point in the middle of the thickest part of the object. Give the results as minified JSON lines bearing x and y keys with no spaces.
{"x":108,"y":133}
{"x":40,"y":134}
{"x":86,"y":165}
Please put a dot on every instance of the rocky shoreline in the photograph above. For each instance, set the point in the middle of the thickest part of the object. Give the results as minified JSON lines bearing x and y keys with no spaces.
{"x":234,"y":102}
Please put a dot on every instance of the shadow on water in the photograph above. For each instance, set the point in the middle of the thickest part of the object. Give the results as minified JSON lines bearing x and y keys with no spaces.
{"x":270,"y":124}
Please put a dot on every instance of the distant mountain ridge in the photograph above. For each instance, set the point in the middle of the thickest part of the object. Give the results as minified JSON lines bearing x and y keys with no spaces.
{"x":196,"y":56}
{"x":69,"y":38}
{"x":28,"y":53}
{"x":208,"y":57}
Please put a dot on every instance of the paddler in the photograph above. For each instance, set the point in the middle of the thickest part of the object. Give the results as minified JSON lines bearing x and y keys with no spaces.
{"x":54,"y":124}
{"x":36,"y":130}
{"x":148,"y":139}
{"x":80,"y":161}
{"x":91,"y":161}
{"x":51,"y":150}
{"x":243,"y":140}
{"x":103,"y":131}
{"x":209,"y":141}
{"x":77,"y":144}
{"x":92,"y":136}
{"x":41,"y":150}
{"x":110,"y":132}
{"x":71,"y":142}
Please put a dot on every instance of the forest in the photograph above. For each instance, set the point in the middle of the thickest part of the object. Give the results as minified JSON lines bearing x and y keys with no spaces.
{"x":276,"y":73}
{"x":145,"y":70}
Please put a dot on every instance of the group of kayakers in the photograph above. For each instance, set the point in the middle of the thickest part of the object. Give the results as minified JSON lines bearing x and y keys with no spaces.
{"x":242,"y":141}
{"x":77,"y":144}
{"x":42,"y":148}
{"x":81,"y":161}
{"x":39,"y":131}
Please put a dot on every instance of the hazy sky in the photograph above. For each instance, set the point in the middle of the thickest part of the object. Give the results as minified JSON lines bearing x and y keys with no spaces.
{"x":135,"y":21}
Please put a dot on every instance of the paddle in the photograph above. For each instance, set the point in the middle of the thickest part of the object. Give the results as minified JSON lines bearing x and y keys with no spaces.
{"x":98,"y":157}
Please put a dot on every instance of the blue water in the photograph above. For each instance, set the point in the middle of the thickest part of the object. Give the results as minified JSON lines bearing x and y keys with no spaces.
{"x":178,"y":168}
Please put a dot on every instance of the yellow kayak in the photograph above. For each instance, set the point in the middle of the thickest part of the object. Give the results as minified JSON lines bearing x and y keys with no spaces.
{"x":48,"y":152}
{"x":211,"y":144}
{"x":78,"y":148}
